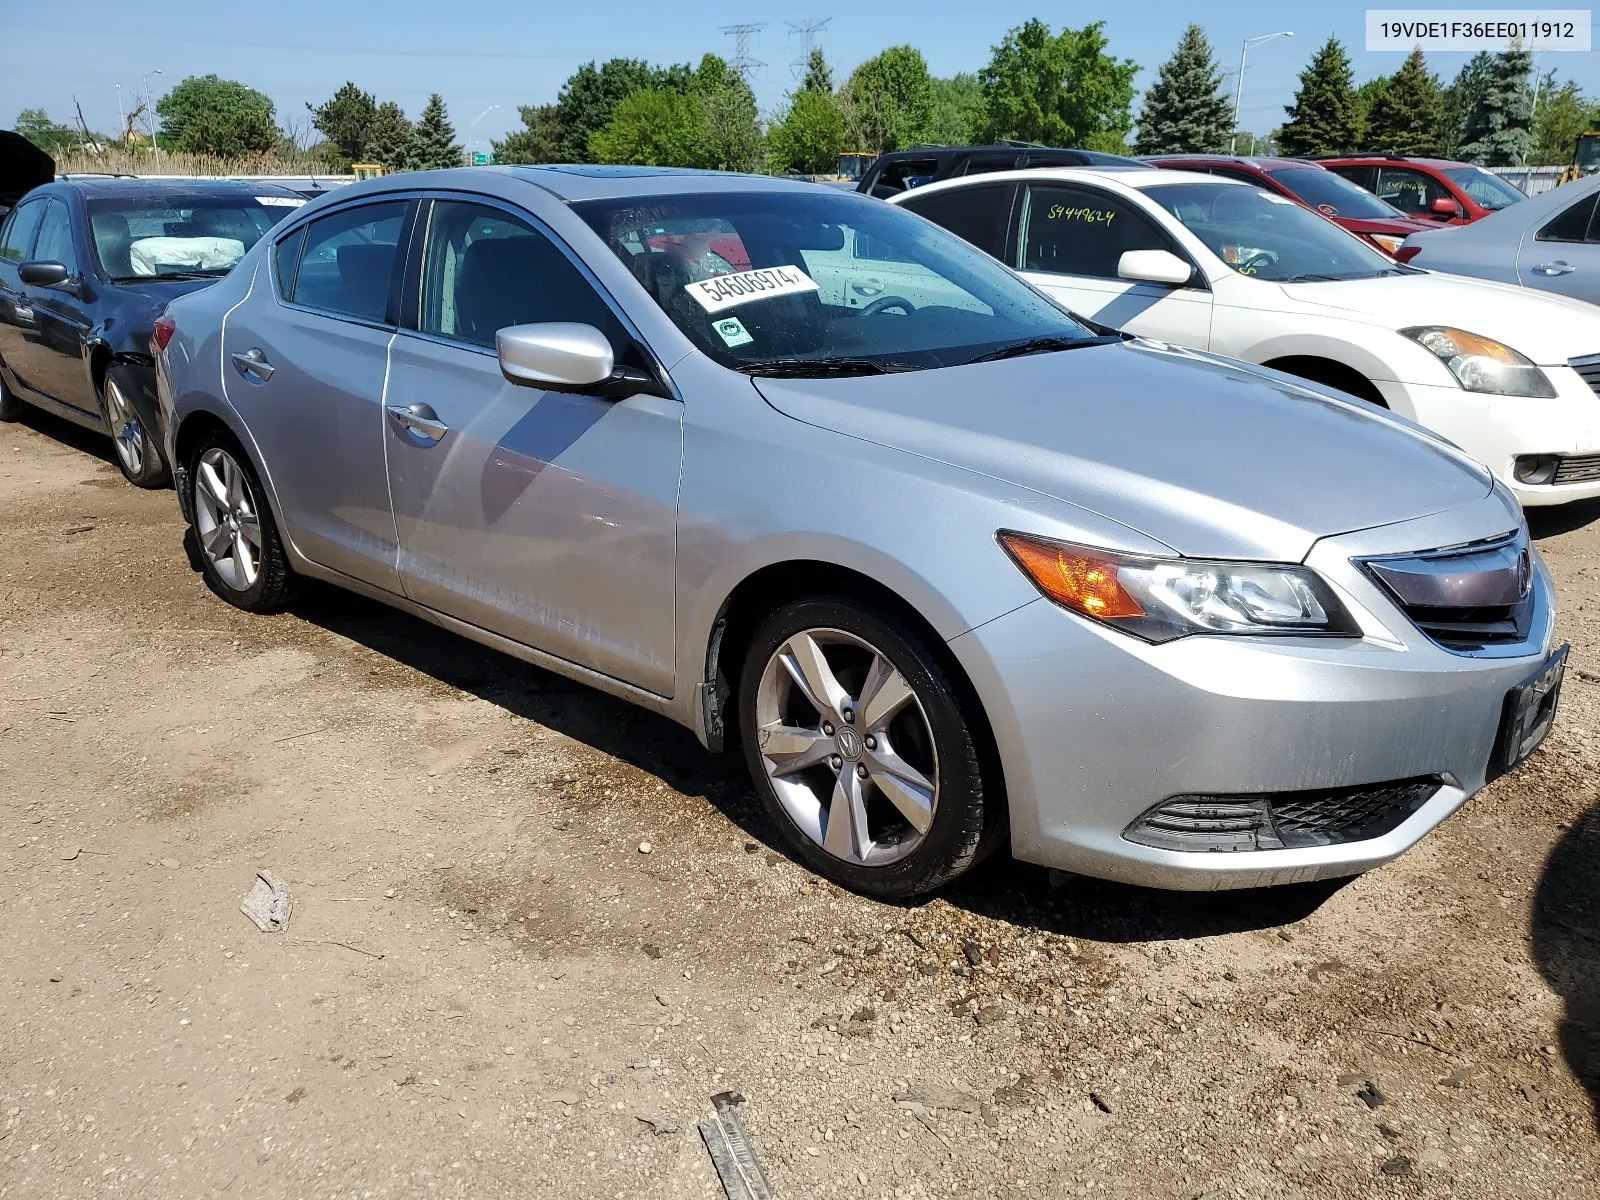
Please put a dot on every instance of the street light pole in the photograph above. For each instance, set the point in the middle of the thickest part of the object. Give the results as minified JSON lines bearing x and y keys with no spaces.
{"x":474,"y":125}
{"x":150,"y":113}
{"x":1238,"y":91}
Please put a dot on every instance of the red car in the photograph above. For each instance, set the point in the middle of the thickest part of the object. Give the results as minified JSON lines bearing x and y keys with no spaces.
{"x":1307,"y":183}
{"x":1436,"y":190}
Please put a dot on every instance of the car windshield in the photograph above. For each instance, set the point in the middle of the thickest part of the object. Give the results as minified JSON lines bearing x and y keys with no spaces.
{"x":1334,"y":195}
{"x":1487,"y":189}
{"x":807,"y":282}
{"x":138,"y":237}
{"x":1268,"y":237}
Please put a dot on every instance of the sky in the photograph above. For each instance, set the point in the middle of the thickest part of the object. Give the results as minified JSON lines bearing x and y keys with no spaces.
{"x":487,"y":57}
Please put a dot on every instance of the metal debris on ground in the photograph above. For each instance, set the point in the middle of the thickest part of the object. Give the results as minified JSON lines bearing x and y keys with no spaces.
{"x":728,"y":1143}
{"x":267,"y":903}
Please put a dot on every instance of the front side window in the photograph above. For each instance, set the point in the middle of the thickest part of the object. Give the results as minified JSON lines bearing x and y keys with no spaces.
{"x":1576,"y":223}
{"x":905,"y":173}
{"x":814,"y":281}
{"x":55,"y":238}
{"x":485,"y":270}
{"x":1333,"y":195}
{"x":20,"y":228}
{"x":1484,"y":188}
{"x":143,"y":237}
{"x":1079,"y":231}
{"x":1412,"y":192}
{"x":1269,"y":237}
{"x":348,"y":263}
{"x":975,"y":214}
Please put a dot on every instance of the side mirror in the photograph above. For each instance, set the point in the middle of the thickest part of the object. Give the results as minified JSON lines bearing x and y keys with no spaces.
{"x":43,"y":274}
{"x":1153,"y":266}
{"x":1445,"y":206}
{"x":562,"y":356}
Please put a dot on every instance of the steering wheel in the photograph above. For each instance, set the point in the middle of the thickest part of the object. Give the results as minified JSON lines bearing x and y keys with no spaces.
{"x":894,"y":304}
{"x":1265,"y":259}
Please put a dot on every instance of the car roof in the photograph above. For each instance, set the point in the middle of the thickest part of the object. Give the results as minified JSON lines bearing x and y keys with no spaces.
{"x":595,"y":181}
{"x":1139,"y":180}
{"x":1260,"y":163}
{"x":103,"y":186}
{"x":1395,"y":158}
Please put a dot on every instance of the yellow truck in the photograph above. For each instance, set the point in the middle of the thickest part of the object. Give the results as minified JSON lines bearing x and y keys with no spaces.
{"x":1585,"y":157}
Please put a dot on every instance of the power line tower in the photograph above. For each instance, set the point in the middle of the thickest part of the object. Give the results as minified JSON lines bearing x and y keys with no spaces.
{"x":742,"y":61}
{"x":806,"y":30}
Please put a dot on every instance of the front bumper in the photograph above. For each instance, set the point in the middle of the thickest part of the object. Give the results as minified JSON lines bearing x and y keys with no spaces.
{"x":1495,"y":430}
{"x":1095,"y":727}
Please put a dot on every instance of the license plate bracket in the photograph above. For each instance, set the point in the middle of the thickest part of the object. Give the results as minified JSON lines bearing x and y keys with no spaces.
{"x":1527,"y":715}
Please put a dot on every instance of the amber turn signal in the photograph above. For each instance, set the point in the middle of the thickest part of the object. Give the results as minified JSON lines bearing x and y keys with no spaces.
{"x":1080,"y":579}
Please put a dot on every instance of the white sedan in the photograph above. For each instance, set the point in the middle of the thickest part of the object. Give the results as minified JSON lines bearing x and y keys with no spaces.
{"x":1509,"y":375}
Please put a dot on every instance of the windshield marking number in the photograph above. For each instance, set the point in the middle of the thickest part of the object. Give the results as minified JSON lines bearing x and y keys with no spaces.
{"x":1091,"y":216}
{"x":725,"y":291}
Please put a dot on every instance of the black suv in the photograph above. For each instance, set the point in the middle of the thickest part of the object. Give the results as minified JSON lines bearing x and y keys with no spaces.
{"x":893,"y":173}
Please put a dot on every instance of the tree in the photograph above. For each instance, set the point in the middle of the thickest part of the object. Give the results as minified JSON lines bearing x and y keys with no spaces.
{"x":691,"y":118}
{"x":1062,"y":90}
{"x":538,"y":141}
{"x":208,"y":115}
{"x":433,"y":142}
{"x":809,"y":137}
{"x":1406,"y":115}
{"x":1564,"y":112}
{"x":1499,"y":130}
{"x":1326,"y":115}
{"x":389,"y":138}
{"x":653,"y":127}
{"x":1460,"y":99}
{"x":887,"y":99}
{"x":1184,"y":111}
{"x":729,"y":137}
{"x":590,"y":96}
{"x":957,"y":111}
{"x":35,"y":125}
{"x":819,"y":75}
{"x":344,"y":120}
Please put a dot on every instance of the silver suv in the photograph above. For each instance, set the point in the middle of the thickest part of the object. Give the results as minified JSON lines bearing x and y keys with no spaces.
{"x":820,"y":481}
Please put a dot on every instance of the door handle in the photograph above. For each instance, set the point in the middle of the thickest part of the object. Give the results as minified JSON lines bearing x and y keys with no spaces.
{"x":1554,"y":268}
{"x":254,"y":363}
{"x":421,"y":420}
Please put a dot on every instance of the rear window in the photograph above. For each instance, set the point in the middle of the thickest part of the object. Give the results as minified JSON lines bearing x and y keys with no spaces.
{"x":139,"y":237}
{"x":1333,"y":195}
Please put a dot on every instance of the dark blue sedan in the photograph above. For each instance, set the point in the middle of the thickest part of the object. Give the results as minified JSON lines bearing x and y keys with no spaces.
{"x":86,"y":265}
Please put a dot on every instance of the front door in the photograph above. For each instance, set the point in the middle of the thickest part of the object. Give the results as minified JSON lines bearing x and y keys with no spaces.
{"x":1071,"y":239}
{"x":50,"y":359}
{"x":17,"y":233}
{"x":547,"y":517}
{"x":303,"y":362}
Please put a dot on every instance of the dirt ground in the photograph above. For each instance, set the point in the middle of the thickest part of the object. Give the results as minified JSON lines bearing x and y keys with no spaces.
{"x":535,"y":930}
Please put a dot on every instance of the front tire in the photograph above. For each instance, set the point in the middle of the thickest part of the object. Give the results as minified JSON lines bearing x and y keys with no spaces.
{"x":860,"y":750}
{"x":241,"y":554}
{"x":137,"y":448}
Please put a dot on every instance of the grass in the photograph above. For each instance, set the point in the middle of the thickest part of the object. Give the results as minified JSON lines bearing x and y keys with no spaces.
{"x":117,"y":161}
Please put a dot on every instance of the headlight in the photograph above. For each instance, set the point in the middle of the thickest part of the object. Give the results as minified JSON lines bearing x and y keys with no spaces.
{"x":1387,"y":241}
{"x":1159,"y":599}
{"x":1481,"y":364}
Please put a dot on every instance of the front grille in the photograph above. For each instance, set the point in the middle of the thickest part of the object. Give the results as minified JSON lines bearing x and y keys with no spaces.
{"x":1464,"y":597}
{"x":1589,"y":368}
{"x":1282,"y":820}
{"x":1580,"y":468}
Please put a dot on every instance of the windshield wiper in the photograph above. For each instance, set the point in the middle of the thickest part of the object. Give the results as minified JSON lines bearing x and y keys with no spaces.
{"x":797,"y":367}
{"x":197,"y":273}
{"x":1046,"y":345}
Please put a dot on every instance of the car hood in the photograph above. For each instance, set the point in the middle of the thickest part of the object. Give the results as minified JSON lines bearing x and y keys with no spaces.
{"x":1547,"y":328}
{"x":1398,"y":226}
{"x":1210,"y":457}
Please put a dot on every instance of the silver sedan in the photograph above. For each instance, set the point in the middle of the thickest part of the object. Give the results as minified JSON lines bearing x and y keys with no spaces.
{"x":950,"y":568}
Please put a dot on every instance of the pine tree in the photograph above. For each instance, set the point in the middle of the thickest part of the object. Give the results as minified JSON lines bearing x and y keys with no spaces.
{"x":819,"y":75}
{"x":389,"y":138}
{"x":1183,"y":111}
{"x":344,"y":119}
{"x":1460,"y":99}
{"x":434,"y":145}
{"x":1499,"y":131}
{"x":1326,"y":115}
{"x":1405,"y":117}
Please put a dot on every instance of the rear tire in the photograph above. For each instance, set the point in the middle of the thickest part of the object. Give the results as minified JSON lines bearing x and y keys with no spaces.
{"x":860,"y":750}
{"x":241,"y":555}
{"x":136,"y":447}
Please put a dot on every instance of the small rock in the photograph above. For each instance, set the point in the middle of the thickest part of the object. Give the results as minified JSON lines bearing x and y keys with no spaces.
{"x":508,"y":1049}
{"x":989,"y":1014}
{"x":645,"y":847}
{"x":973,"y":951}
{"x":1285,"y":935}
{"x":68,"y":853}
{"x":56,"y":978}
{"x":562,"y":1098}
{"x":389,"y":895}
{"x":1369,"y":1095}
{"x":1452,"y":1081}
{"x":651,"y":951}
{"x":1550,"y":1051}
{"x":1100,"y":1102}
{"x":934,"y":1097}
{"x":658,"y":1123}
{"x":1399,"y":1165}
{"x":1389,"y":1131}
{"x":170,"y":864}
{"x":1350,"y":1081}
{"x":829,"y":967}
{"x":751,"y":848}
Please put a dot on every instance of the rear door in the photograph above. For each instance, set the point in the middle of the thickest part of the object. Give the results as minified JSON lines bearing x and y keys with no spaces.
{"x":1070,"y":239}
{"x":1563,"y":254}
{"x":547,"y":517}
{"x":303,"y":362}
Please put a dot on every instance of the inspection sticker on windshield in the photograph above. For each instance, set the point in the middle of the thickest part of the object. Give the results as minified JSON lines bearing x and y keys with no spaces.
{"x":732,"y":331}
{"x":724,"y":291}
{"x":280,"y":201}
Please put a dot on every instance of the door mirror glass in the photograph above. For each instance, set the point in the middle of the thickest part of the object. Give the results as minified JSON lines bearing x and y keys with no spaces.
{"x":1153,"y":266}
{"x":557,"y":355}
{"x":43,"y":274}
{"x":1445,"y":206}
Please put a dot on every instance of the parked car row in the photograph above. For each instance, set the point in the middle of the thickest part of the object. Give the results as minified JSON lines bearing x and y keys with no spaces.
{"x":859,"y":495}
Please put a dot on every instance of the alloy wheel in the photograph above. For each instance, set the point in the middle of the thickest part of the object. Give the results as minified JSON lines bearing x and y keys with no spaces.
{"x":127,"y":432}
{"x":226,"y":520}
{"x":847,"y":747}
